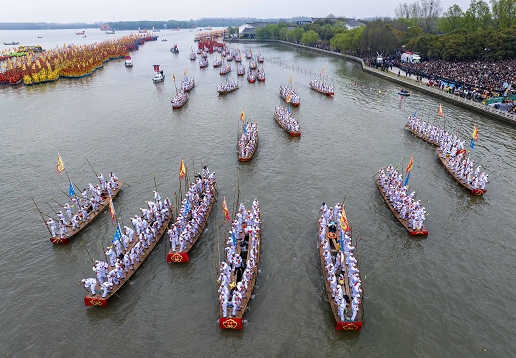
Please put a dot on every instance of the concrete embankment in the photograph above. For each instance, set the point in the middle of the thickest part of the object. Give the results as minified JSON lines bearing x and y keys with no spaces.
{"x":407,"y":82}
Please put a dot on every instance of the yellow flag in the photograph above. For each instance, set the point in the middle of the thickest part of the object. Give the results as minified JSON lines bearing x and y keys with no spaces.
{"x":60,"y":164}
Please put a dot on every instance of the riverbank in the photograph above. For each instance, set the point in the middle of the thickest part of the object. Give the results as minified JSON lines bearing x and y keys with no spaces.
{"x":408,"y":82}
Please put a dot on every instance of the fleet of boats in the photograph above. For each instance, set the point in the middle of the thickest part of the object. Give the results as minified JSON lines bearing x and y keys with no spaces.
{"x":238,"y":271}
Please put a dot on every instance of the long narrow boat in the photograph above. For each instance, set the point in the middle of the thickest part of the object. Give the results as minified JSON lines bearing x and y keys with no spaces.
{"x":179,"y":253}
{"x":92,"y":215}
{"x":98,"y":299}
{"x":227,"y":87}
{"x":236,"y":284}
{"x":413,"y":122}
{"x":286,"y":120}
{"x":421,"y":136}
{"x":225,"y":69}
{"x":179,"y":99}
{"x":290,"y":95}
{"x":322,"y":87}
{"x":203,"y":62}
{"x":444,"y":159}
{"x":335,"y":250}
{"x":187,"y":84}
{"x":248,"y":142}
{"x":422,"y":231}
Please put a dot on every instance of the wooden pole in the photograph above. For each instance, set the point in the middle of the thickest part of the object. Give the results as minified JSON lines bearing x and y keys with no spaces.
{"x":155,"y":185}
{"x":104,"y":251}
{"x":92,"y":167}
{"x":51,"y":207}
{"x":62,"y":191}
{"x":91,"y":258}
{"x":40,"y":213}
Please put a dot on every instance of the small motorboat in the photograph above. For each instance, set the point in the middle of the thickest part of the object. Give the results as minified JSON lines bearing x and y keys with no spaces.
{"x":404,"y":92}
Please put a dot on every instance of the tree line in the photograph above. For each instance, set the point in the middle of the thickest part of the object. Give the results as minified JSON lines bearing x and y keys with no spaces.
{"x":480,"y":32}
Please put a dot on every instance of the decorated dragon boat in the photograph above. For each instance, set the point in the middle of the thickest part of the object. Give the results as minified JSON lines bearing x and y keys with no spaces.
{"x":286,"y":120}
{"x":239,"y":271}
{"x":341,"y":275}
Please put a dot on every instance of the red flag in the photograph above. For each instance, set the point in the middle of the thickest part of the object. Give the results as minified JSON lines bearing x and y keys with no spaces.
{"x":182,"y":169}
{"x":225,"y":210}
{"x":112,"y":210}
{"x":344,"y":221}
{"x":440,"y":111}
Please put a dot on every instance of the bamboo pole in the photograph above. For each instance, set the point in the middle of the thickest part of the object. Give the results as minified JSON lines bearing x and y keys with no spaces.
{"x":40,"y":213}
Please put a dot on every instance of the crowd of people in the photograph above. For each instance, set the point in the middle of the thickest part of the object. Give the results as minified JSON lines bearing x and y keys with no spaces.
{"x":129,"y":247}
{"x":203,"y":62}
{"x":187,"y":84}
{"x":260,"y":75}
{"x":92,"y":198}
{"x":290,"y":95}
{"x":228,"y":86}
{"x":241,"y":253}
{"x":287,"y":120}
{"x":179,"y":99}
{"x":193,"y":212}
{"x":240,"y":70}
{"x":340,"y":264}
{"x":428,"y":131}
{"x":404,"y":203}
{"x":453,"y":148}
{"x":321,"y":86}
{"x":251,"y":75}
{"x":248,"y":140}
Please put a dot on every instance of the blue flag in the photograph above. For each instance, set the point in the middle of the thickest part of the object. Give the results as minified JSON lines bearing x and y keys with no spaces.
{"x":233,"y":237}
{"x":118,"y":234}
{"x":71,"y":192}
{"x":415,"y":113}
{"x":472,"y":144}
{"x":187,"y":207}
{"x":341,"y":242}
{"x":406,"y":179}
{"x":245,"y":129}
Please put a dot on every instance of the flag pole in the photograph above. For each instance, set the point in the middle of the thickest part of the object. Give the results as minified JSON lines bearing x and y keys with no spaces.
{"x":40,"y":213}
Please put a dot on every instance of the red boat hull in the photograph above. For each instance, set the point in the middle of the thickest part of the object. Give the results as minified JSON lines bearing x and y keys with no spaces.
{"x":418,"y":232}
{"x":478,"y":192}
{"x":348,"y":326}
{"x":230,"y":323}
{"x":95,"y":301}
{"x":295,"y":134}
{"x":177,"y":257}
{"x":59,"y":241}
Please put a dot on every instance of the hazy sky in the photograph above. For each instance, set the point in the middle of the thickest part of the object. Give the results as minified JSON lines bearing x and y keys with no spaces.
{"x":91,"y":11}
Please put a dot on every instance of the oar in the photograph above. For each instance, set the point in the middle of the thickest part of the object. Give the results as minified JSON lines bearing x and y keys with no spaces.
{"x":92,"y":167}
{"x":40,"y":213}
{"x":51,"y":207}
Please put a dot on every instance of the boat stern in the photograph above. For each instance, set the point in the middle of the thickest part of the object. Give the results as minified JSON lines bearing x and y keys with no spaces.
{"x":418,"y":233}
{"x":348,"y":326}
{"x":177,"y":257}
{"x":479,"y":192}
{"x":59,"y":240}
{"x":95,"y":301}
{"x":230,"y":323}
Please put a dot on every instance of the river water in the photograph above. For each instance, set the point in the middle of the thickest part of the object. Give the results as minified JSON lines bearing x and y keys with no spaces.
{"x":450,"y":294}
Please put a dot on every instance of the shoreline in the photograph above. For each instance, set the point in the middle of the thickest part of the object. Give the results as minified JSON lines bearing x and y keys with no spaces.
{"x":407,"y":82}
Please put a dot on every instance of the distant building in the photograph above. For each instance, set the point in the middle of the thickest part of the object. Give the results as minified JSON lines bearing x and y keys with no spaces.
{"x":349,"y":23}
{"x":246,"y":31}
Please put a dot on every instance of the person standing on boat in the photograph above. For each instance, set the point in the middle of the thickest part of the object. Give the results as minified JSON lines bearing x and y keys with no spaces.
{"x":68,"y":210}
{"x":102,"y":181}
{"x":53,"y":226}
{"x":90,"y":283}
{"x":62,"y":228}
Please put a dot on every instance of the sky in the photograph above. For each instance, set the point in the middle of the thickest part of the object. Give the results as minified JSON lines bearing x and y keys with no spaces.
{"x":92,"y":11}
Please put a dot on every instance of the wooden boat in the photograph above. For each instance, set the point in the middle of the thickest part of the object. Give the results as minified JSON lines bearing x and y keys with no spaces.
{"x":227,"y":87}
{"x":279,"y":114}
{"x":217,"y":63}
{"x":80,"y":32}
{"x":193,"y":56}
{"x":260,"y":58}
{"x":260,"y":75}
{"x":405,"y":222}
{"x":419,"y":135}
{"x":97,"y":299}
{"x":291,"y":94}
{"x":240,"y":70}
{"x":225,"y":69}
{"x":179,"y":100}
{"x":11,"y":43}
{"x":246,"y":139}
{"x":242,"y":249}
{"x":331,"y":234}
{"x":203,"y":62}
{"x":322,"y":87}
{"x":251,"y":77}
{"x":238,"y":58}
{"x":92,"y":216}
{"x":177,"y":256}
{"x":187,"y":84}
{"x":444,"y":159}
